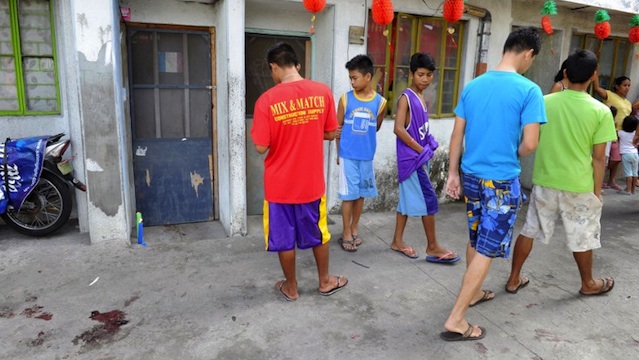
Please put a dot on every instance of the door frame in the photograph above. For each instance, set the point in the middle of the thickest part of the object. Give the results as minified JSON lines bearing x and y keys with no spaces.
{"x":213,"y":159}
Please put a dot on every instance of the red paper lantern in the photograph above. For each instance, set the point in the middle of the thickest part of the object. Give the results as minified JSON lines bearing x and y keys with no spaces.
{"x":602,"y":30}
{"x":602,"y":26}
{"x":314,"y":6}
{"x":633,"y":34}
{"x":383,"y":12}
{"x":453,"y":10}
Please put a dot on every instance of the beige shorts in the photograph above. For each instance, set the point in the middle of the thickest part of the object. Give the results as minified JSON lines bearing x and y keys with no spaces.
{"x":579,"y":212}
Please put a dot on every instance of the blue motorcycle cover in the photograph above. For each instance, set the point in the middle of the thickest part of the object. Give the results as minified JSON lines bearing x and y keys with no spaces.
{"x":21,"y":164}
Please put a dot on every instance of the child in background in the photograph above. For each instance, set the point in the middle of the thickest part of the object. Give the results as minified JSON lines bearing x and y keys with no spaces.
{"x":360,"y":113}
{"x":628,"y":140}
{"x":415,"y":147}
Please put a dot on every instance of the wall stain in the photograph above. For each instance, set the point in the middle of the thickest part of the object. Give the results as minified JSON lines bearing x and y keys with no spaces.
{"x":196,"y":181}
{"x":82,"y":21}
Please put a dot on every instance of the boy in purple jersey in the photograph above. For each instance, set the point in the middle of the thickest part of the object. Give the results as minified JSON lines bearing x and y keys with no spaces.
{"x":415,"y":147}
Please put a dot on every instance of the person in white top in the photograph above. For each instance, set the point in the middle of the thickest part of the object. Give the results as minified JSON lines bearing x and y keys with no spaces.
{"x":628,"y":140}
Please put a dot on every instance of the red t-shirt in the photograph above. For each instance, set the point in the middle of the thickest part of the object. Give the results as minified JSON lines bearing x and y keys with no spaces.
{"x":291,"y":119}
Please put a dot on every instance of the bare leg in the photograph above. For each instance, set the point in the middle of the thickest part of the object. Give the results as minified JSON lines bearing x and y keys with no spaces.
{"x":614,"y":169}
{"x":287,"y":261}
{"x":588,"y":284}
{"x":358,"y":207}
{"x":471,"y":284}
{"x":629,"y":184}
{"x":326,"y":282}
{"x":398,"y":237}
{"x":347,"y":216}
{"x":523,"y":247}
{"x":470,"y":255}
{"x":433,"y":247}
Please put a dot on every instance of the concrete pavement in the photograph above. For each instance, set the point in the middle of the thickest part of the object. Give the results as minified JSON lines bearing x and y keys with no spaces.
{"x":195,"y":294}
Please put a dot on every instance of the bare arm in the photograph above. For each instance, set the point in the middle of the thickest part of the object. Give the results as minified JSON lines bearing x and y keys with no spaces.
{"x":635,"y":107}
{"x":598,"y":89}
{"x":340,"y":123}
{"x":453,"y":184}
{"x":598,"y":166}
{"x":380,"y":117}
{"x":261,"y":148}
{"x":330,"y":135}
{"x":635,"y":140}
{"x":401,"y":119}
{"x":529,"y":140}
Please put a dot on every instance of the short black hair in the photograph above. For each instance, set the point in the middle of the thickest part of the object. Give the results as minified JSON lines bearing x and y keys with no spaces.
{"x":618,"y":82}
{"x":523,"y":39}
{"x":361,"y":63}
{"x":560,"y":73}
{"x":613,"y":110}
{"x":580,"y":66}
{"x":422,"y":60}
{"x":629,"y":123}
{"x":282,"y":54}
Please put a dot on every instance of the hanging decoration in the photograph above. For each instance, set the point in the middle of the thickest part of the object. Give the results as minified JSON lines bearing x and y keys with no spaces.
{"x":602,"y":26}
{"x":383,"y":12}
{"x":633,"y":34}
{"x":550,"y":8}
{"x":314,"y":6}
{"x":453,"y":10}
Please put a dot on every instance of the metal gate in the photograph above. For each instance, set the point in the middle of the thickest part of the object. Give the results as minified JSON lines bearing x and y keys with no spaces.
{"x":171,"y":86}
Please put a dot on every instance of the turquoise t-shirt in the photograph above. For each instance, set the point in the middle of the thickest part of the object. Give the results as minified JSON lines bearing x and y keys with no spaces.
{"x":576,"y":122}
{"x":496,"y":107}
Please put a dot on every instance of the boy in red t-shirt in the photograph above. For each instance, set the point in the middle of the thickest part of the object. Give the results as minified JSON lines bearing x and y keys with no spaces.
{"x":291,"y":122}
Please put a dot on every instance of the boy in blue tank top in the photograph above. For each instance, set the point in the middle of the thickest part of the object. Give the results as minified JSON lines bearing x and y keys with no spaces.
{"x":360,"y":113}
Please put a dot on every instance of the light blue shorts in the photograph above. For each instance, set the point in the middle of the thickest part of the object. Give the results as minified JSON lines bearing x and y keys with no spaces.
{"x":356,"y":179}
{"x":630,"y":163}
{"x":416,"y":195}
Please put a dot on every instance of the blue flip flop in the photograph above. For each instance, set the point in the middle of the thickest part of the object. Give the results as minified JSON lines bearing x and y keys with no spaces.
{"x":442,"y":260}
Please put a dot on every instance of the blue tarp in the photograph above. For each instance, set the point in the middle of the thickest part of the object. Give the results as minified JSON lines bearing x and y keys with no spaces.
{"x":24,"y":161}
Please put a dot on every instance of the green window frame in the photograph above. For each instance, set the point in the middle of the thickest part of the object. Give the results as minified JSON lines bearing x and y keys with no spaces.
{"x":29,"y":80}
{"x":614,"y":53}
{"x":391,"y":46}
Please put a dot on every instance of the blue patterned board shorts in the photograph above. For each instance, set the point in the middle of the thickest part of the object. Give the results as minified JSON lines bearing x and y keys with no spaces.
{"x":492,"y":207}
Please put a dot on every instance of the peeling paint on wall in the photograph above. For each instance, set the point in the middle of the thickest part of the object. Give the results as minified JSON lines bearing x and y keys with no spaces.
{"x":196,"y":181}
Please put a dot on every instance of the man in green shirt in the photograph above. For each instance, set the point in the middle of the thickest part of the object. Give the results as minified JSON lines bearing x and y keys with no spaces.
{"x":567,"y":175}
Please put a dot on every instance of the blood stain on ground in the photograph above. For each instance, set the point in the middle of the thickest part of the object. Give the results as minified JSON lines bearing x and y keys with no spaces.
{"x":40,"y":339}
{"x":36,"y":312}
{"x":111,"y":323}
{"x":6,"y":313}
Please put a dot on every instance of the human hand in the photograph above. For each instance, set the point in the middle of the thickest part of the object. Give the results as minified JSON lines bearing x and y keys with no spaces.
{"x":432,"y":143}
{"x":338,"y":133}
{"x":453,"y":186}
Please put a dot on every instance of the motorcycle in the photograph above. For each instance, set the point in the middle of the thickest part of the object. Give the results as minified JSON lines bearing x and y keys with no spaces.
{"x":36,"y":184}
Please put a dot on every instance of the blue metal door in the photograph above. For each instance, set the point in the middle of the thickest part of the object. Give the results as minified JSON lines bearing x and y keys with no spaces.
{"x":171,"y":111}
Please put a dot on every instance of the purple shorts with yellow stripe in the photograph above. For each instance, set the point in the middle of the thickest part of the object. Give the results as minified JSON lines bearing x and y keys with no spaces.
{"x":492,"y":207}
{"x":288,"y":225}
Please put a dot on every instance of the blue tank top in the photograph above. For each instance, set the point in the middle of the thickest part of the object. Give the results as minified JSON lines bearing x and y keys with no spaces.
{"x":358,"y":139}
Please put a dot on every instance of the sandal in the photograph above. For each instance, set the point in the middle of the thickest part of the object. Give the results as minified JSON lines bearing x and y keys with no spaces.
{"x":357,"y":240}
{"x":347,"y":245}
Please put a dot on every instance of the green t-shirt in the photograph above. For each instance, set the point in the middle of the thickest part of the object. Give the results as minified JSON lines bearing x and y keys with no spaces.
{"x":576,"y":122}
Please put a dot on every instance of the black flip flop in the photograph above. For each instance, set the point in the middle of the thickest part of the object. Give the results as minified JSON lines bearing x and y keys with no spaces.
{"x":483,"y":298}
{"x":455,"y":336}
{"x":522,"y":285}
{"x":337,"y":287}
{"x":605,"y":280}
{"x":341,"y":243}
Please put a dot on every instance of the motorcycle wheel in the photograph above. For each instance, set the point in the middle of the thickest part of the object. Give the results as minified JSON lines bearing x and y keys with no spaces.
{"x":45,"y":210}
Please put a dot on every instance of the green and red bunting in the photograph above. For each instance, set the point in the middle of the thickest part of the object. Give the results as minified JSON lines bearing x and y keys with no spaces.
{"x":633,"y":34}
{"x":602,"y":25}
{"x":550,"y":8}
